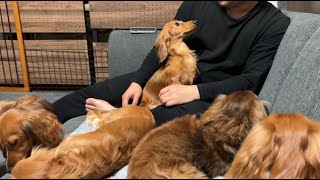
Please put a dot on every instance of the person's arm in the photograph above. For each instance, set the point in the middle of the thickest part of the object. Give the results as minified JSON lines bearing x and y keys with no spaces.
{"x":151,"y":64}
{"x":256,"y":69}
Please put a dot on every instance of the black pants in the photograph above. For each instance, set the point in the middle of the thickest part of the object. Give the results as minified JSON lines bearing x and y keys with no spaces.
{"x":111,"y":90}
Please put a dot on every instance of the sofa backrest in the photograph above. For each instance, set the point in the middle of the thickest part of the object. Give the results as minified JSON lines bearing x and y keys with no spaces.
{"x":293,"y":83}
{"x":126,"y":51}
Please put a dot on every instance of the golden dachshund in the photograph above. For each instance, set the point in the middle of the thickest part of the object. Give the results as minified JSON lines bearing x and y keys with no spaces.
{"x":191,"y":148}
{"x":24,"y":123}
{"x":284,"y":145}
{"x":98,"y":154}
{"x":178,"y":66}
{"x":95,"y":154}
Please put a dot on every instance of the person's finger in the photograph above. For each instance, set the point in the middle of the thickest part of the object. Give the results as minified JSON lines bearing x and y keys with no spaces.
{"x":164,"y":95}
{"x":125,"y":100}
{"x":165,"y":100}
{"x":135,"y":100}
{"x":164,"y":90}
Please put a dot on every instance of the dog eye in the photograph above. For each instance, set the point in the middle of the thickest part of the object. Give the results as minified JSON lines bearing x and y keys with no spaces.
{"x":13,"y":143}
{"x":176,"y":24}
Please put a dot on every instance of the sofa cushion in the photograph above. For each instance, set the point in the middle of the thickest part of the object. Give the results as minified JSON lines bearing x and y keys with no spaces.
{"x":293,"y":82}
{"x":126,"y":51}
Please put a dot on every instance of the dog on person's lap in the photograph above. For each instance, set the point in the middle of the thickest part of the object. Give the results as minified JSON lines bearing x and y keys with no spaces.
{"x":178,"y":65}
{"x":119,"y":130}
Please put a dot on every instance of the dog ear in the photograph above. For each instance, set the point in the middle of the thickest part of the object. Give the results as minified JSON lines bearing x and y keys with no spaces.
{"x":311,"y":154}
{"x":297,"y":150}
{"x":255,"y":155}
{"x":270,"y":153}
{"x":6,"y":105}
{"x":161,"y":46}
{"x":44,"y":127}
{"x":34,"y":102}
{"x":289,"y":159}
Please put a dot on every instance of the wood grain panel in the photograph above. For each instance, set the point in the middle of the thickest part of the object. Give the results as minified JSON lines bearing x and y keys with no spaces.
{"x":48,"y":61}
{"x":304,"y":6}
{"x":46,"y":16}
{"x":101,"y":61}
{"x":127,"y":14}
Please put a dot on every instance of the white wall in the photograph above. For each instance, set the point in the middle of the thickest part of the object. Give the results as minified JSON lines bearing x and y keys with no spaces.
{"x":275,"y":3}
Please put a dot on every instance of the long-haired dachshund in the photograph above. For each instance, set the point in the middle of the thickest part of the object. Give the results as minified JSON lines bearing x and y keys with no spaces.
{"x":189,"y":148}
{"x":178,"y":66}
{"x":284,"y":145}
{"x":179,"y":63}
{"x":95,"y":154}
{"x":24,"y":123}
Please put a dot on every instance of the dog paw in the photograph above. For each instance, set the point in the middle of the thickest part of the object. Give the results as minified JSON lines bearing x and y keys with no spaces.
{"x":93,"y":120}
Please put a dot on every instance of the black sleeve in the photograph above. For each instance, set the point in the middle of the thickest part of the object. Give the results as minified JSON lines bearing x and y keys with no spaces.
{"x":151,"y":64}
{"x":257,"y":66}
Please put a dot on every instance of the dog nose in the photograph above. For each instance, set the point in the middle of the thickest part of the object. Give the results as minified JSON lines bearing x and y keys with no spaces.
{"x":195,"y":22}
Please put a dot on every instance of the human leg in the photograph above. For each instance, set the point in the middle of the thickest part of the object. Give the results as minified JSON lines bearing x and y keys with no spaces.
{"x":164,"y":114}
{"x":110,"y":90}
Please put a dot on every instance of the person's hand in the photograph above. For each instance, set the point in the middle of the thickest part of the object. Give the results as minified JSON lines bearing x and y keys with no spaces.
{"x":178,"y":94}
{"x":133,"y":92}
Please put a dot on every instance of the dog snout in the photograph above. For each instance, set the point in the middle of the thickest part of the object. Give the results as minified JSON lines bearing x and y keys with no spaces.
{"x":195,"y":22}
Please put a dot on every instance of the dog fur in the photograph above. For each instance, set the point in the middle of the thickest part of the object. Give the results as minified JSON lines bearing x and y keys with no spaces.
{"x":285,"y":145}
{"x":27,"y":122}
{"x":178,"y":66}
{"x":95,"y":154}
{"x":179,"y":63}
{"x":189,"y":148}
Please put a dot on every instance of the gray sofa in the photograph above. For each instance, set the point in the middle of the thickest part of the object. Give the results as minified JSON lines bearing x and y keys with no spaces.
{"x":293,"y":83}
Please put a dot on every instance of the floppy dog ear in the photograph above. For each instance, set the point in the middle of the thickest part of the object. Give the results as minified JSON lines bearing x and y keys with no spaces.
{"x":255,"y":156}
{"x":161,"y":45}
{"x":267,"y":153}
{"x":311,"y":154}
{"x":43,"y":127}
{"x":6,"y":105}
{"x":297,"y":150}
{"x":34,"y":102}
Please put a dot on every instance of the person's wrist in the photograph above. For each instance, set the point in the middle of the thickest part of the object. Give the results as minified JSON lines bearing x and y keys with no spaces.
{"x":196,"y":94}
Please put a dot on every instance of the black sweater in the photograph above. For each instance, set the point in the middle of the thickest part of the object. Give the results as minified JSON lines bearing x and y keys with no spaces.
{"x":234,"y":54}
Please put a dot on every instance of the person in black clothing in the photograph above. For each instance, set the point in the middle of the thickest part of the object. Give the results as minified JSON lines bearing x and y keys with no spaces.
{"x":235,"y":41}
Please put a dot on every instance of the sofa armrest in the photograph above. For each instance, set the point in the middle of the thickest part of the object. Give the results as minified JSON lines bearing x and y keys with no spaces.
{"x":126,"y":51}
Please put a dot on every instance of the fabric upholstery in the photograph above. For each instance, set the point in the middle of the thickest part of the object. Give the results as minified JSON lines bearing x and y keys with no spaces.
{"x":292,"y":85}
{"x":293,"y":81}
{"x":126,"y":51}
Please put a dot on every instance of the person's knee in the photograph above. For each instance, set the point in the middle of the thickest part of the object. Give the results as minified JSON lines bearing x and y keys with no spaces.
{"x":163,"y":114}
